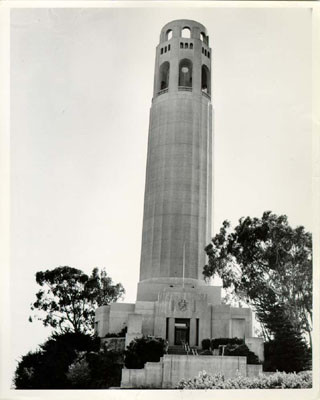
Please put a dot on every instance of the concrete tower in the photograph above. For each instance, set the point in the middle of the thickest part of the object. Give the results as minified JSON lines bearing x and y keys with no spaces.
{"x":173,"y":301}
{"x":178,"y":191}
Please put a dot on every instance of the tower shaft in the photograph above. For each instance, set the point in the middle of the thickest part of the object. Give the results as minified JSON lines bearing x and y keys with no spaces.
{"x":178,"y":190}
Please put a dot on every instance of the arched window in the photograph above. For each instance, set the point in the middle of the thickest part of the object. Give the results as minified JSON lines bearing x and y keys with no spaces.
{"x":169,"y":34}
{"x":181,"y":45}
{"x":164,"y":75}
{"x":205,"y":79}
{"x":204,"y":38}
{"x":191,"y":46}
{"x":185,"y":73}
{"x":186,"y":32}
{"x":186,"y":45}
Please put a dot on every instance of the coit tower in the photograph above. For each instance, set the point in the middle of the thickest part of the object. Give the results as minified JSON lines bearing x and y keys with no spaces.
{"x":173,"y":300}
{"x":178,"y":189}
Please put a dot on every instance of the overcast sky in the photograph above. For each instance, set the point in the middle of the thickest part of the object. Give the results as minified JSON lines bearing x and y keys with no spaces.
{"x":81,"y":89}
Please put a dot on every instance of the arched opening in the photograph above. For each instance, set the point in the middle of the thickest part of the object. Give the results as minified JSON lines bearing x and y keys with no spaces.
{"x":186,"y":45}
{"x":186,"y":32}
{"x":204,"y":38}
{"x":169,"y":34}
{"x":164,"y":75}
{"x":185,"y":73}
{"x":205,"y":79}
{"x":191,"y":46}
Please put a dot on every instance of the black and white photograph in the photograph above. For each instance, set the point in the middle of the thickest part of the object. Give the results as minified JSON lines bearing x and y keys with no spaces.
{"x":161,"y":189}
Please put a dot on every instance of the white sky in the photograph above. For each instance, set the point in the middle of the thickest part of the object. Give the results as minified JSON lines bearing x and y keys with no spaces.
{"x":82,"y":82}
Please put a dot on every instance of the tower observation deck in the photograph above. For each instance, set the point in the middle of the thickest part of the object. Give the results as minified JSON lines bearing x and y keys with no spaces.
{"x":178,"y":188}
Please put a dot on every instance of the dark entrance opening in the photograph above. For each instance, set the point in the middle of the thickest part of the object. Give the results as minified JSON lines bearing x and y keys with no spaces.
{"x":181,"y":330}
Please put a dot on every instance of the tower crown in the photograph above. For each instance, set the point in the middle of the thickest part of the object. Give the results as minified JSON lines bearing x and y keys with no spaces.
{"x":183,"y":60}
{"x":184,"y":28}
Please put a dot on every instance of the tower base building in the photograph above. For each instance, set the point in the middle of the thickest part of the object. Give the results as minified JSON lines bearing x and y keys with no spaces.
{"x":173,"y":300}
{"x":180,"y":312}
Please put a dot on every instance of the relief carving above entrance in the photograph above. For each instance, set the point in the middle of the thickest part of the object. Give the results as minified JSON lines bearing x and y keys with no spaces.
{"x":182,"y":305}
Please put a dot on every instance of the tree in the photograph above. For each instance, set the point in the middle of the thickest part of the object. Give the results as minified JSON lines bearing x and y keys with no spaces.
{"x":47,"y":367}
{"x":69,"y":297}
{"x":269,"y":264}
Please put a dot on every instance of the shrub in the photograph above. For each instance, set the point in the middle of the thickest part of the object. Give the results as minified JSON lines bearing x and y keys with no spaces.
{"x":287,"y":355}
{"x":120,"y":334}
{"x":215,"y":343}
{"x":241,"y":350}
{"x":142,"y":350}
{"x":206,"y":344}
{"x":205,"y":353}
{"x":96,"y":370}
{"x":278,"y":380}
{"x":47,"y":367}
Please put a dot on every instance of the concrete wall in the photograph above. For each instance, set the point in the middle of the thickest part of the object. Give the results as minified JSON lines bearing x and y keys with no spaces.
{"x":112,"y":318}
{"x":148,"y":377}
{"x":220,"y":323}
{"x":256,"y":345}
{"x":254,"y":370}
{"x":177,"y":367}
{"x":172,"y":368}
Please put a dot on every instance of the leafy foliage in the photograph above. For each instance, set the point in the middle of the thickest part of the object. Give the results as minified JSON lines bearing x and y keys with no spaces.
{"x":206,"y":344}
{"x":96,"y":370}
{"x":279,"y":380}
{"x":142,"y":350}
{"x":268,"y":264}
{"x":233,"y":347}
{"x":46,"y":368}
{"x":120,"y":334}
{"x":215,"y":343}
{"x":287,"y":351}
{"x":69,"y":297}
{"x":241,"y":350}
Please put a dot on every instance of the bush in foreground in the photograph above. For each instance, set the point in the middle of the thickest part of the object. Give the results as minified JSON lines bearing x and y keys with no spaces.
{"x":278,"y":380}
{"x":46,"y":368}
{"x":142,"y":350}
{"x":96,"y":370}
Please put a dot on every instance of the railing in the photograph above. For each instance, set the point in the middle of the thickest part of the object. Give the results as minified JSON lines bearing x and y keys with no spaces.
{"x":162,"y":91}
{"x":207,"y":95}
{"x":185,"y":88}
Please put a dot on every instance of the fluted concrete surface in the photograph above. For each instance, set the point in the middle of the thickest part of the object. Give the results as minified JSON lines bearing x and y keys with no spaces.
{"x":177,"y":205}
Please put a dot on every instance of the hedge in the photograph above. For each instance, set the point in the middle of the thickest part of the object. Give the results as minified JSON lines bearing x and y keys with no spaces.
{"x":278,"y":380}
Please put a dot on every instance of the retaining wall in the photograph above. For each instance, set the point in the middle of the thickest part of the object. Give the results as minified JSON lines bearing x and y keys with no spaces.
{"x":172,"y":368}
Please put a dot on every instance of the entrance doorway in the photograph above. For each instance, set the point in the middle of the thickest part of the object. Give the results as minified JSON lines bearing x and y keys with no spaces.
{"x":181,"y":330}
